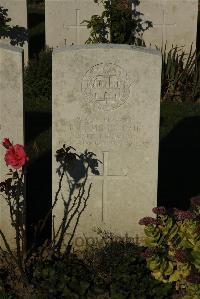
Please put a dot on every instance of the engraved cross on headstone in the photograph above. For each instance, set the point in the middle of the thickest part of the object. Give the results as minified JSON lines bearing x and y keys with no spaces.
{"x":78,"y":26}
{"x":164,"y":26}
{"x":105,"y":177}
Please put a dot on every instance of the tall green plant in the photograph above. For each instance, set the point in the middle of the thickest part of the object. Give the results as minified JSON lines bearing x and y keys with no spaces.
{"x":118,"y":24}
{"x":180,"y":75}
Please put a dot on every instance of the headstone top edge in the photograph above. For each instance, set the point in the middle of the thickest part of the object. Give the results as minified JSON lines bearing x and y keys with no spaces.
{"x":107,"y":46}
{"x":11,"y":48}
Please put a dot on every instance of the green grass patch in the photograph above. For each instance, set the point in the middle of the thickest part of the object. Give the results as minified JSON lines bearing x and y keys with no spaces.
{"x":39,"y":146}
{"x":36,"y":8}
{"x":172,"y":113}
{"x":37,"y":30}
{"x":38,"y":105}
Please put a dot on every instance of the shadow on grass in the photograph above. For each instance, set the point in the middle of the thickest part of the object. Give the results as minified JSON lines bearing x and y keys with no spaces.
{"x":38,"y":180}
{"x":36,"y":44}
{"x":35,"y":18}
{"x":36,"y":123}
{"x":179,"y":164}
{"x":36,"y":41}
{"x":39,"y":196}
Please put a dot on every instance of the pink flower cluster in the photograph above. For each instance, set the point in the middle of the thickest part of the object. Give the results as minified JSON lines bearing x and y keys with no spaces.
{"x":159,"y":210}
{"x":15,"y":155}
{"x":147,"y":221}
{"x":184,"y":215}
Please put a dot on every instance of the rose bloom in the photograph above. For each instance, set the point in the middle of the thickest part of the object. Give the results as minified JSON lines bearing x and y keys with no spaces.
{"x":6,"y":143}
{"x":16,"y":156}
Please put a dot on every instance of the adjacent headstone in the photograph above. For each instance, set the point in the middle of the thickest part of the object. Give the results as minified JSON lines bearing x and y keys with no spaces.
{"x":17,"y":11}
{"x":106,"y":99}
{"x":63,"y":21}
{"x":11,"y":120}
{"x":174,"y":22}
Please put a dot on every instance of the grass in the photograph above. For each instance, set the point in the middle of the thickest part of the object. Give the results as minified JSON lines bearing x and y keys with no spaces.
{"x":36,"y":8}
{"x":172,"y":113}
{"x":41,"y":105}
{"x":38,"y":29}
{"x":36,"y":25}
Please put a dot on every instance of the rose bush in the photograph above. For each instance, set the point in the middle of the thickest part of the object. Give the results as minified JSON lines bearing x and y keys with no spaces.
{"x":12,"y":190}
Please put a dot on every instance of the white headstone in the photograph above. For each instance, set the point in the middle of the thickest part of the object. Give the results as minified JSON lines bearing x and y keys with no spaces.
{"x":63,"y":21}
{"x":174,"y":22}
{"x":106,"y":99}
{"x":11,"y":120}
{"x":17,"y":11}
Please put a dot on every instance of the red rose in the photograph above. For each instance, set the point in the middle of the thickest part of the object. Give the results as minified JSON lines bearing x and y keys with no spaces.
{"x":16,"y":156}
{"x":6,"y":143}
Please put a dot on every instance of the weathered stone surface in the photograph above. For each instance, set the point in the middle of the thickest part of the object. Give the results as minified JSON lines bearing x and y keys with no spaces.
{"x":174,"y":22}
{"x":63,"y":20}
{"x":11,"y":120}
{"x":17,"y":11}
{"x":106,"y":99}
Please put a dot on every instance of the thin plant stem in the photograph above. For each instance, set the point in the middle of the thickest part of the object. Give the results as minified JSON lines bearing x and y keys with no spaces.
{"x":8,"y":247}
{"x":55,"y":201}
{"x":19,"y":257}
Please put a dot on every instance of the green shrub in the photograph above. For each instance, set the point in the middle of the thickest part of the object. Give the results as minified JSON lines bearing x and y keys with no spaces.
{"x":4,"y":20}
{"x":118,"y":23}
{"x":173,"y":253}
{"x":16,"y":34}
{"x":119,"y":262}
{"x":61,"y":277}
{"x":38,"y":81}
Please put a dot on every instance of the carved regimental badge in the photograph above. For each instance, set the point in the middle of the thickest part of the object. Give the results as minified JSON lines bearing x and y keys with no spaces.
{"x":107,"y":85}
